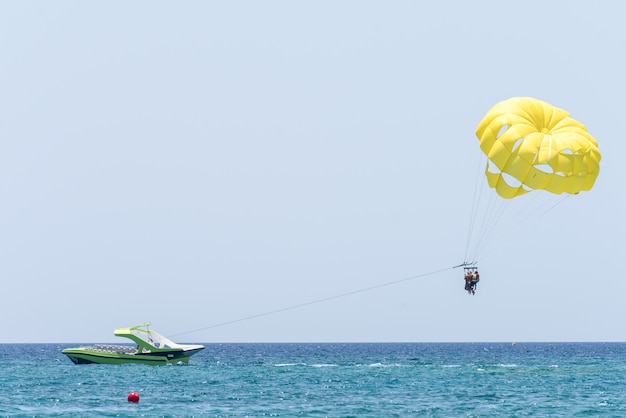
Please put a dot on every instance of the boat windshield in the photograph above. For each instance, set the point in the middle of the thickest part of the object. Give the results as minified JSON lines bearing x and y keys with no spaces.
{"x":153,"y":338}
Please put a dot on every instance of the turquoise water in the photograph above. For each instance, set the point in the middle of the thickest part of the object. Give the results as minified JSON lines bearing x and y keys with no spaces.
{"x":318,"y":380}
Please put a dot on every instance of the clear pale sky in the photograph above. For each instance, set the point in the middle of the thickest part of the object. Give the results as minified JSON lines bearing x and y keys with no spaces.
{"x":194,"y":163}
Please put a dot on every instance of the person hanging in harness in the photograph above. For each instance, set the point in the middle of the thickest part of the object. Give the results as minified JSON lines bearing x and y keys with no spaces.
{"x":474,"y":280}
{"x":468,"y":281}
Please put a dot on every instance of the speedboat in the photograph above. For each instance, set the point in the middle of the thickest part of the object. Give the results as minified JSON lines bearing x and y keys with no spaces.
{"x":150,"y":348}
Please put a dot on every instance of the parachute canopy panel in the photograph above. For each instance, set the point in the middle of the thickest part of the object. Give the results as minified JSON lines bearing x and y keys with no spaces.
{"x":532,"y":145}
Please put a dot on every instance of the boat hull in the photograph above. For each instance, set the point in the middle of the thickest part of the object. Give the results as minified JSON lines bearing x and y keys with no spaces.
{"x":90,"y":356}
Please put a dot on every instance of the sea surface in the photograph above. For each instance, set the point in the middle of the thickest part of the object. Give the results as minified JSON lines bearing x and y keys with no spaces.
{"x":319,"y":380}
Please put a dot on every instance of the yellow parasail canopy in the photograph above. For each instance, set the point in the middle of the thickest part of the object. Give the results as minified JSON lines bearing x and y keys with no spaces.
{"x":532,"y":145}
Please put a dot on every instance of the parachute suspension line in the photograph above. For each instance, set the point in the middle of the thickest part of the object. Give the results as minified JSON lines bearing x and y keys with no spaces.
{"x":492,"y":215}
{"x":545,"y":207}
{"x":489,"y":211}
{"x":527,"y":210}
{"x":521,"y":212}
{"x":536,"y":206}
{"x":313,"y":302}
{"x":561,"y":200}
{"x":474,"y":212}
{"x":492,"y":212}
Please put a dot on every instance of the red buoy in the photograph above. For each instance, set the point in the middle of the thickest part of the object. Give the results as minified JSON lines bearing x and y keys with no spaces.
{"x":133,"y":397}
